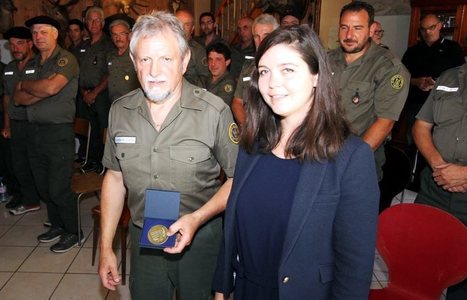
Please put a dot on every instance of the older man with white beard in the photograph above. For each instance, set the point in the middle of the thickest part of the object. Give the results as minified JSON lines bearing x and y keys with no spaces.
{"x":171,"y":136}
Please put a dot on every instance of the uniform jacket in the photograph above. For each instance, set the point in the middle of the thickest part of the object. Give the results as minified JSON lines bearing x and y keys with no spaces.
{"x":446,"y":109}
{"x":330,"y":240}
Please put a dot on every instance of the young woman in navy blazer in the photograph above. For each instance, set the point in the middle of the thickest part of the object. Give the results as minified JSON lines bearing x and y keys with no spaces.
{"x":301,"y":218}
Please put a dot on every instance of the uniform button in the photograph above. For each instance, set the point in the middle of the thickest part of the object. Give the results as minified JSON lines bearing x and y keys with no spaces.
{"x":156,"y":176}
{"x":191,"y":158}
{"x":154,"y":150}
{"x":285,"y":279}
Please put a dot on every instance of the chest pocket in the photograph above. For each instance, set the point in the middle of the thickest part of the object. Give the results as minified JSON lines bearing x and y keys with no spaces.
{"x":188,"y":164}
{"x":128,"y":155}
{"x":448,"y":108}
{"x":360,"y":89}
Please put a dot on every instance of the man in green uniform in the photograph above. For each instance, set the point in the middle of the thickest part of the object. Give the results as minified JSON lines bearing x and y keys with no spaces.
{"x":122,"y":76}
{"x":50,"y":101}
{"x":207,"y":26}
{"x":93,"y":85}
{"x":197,"y":71}
{"x":172,"y":136}
{"x":263,"y":25}
{"x":440,"y":133}
{"x":75,"y":33}
{"x":16,"y":121}
{"x":243,"y":47}
{"x":373,"y":84}
{"x":10,"y":185}
{"x":221,"y":83}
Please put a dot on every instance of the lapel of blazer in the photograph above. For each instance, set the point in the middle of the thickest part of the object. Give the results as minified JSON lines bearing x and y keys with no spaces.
{"x":308,"y":185}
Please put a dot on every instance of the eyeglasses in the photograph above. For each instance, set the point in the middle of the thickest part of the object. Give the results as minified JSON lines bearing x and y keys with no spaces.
{"x":430,"y":28}
{"x":120,"y":34}
{"x":94,"y":20}
{"x":379,"y":32}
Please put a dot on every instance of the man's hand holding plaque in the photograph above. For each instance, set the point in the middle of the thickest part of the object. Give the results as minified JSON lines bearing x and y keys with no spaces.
{"x":160,"y":212}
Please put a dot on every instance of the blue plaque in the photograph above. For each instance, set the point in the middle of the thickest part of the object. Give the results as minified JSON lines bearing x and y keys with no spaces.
{"x":160,"y":211}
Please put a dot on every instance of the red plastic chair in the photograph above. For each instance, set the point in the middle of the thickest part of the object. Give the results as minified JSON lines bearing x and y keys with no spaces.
{"x":425,"y":250}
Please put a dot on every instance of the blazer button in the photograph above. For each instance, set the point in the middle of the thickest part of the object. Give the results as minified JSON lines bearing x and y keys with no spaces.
{"x":285,"y":279}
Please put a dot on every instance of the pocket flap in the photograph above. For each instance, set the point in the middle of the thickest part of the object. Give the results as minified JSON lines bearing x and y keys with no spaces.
{"x":190,"y":154}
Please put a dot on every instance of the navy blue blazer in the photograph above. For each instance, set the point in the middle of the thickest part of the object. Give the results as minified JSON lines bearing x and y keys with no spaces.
{"x":330,"y":241}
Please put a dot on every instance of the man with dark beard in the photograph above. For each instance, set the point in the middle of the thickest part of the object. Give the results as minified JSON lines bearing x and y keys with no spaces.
{"x":207,"y":26}
{"x":373,"y":84}
{"x":16,"y":120}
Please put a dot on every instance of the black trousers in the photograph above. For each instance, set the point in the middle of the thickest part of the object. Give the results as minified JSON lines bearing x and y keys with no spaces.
{"x":98,"y":118}
{"x":6,"y":165}
{"x":51,"y":153}
{"x":156,"y":274}
{"x":21,"y":165}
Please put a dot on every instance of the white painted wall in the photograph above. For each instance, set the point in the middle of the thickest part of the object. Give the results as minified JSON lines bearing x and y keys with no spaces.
{"x":396,"y":32}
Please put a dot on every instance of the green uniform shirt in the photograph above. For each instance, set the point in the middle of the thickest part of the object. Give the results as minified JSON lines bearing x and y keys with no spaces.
{"x":93,"y":62}
{"x":224,"y":87}
{"x":373,"y":86}
{"x":78,"y":50}
{"x":59,"y":108}
{"x":195,"y":141}
{"x":238,"y":57}
{"x":122,"y":75}
{"x":11,"y":76}
{"x":446,"y":109}
{"x":244,"y":80}
{"x":197,"y":71}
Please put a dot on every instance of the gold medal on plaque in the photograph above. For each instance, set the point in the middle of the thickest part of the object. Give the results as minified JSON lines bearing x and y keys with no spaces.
{"x":157,"y":234}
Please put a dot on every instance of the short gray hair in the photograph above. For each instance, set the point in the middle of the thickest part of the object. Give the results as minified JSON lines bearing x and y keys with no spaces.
{"x":155,"y":23}
{"x":97,"y":9}
{"x":120,"y":22}
{"x":265,"y":19}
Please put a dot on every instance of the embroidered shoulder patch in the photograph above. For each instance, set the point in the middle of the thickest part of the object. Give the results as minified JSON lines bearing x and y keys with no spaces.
{"x":62,"y":62}
{"x":228,"y":88}
{"x":234,"y":133}
{"x":397,"y":82}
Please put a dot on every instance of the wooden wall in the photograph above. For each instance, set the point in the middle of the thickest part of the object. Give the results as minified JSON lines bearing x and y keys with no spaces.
{"x":30,"y":8}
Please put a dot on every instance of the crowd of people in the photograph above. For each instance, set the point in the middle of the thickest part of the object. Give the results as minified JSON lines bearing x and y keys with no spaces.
{"x":273,"y":144}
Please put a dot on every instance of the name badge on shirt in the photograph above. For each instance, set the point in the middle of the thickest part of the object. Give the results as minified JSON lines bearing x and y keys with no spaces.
{"x":82,"y":50}
{"x":30,"y":71}
{"x":8,"y":73}
{"x":446,"y":88}
{"x":246,"y":79}
{"x":125,"y":140}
